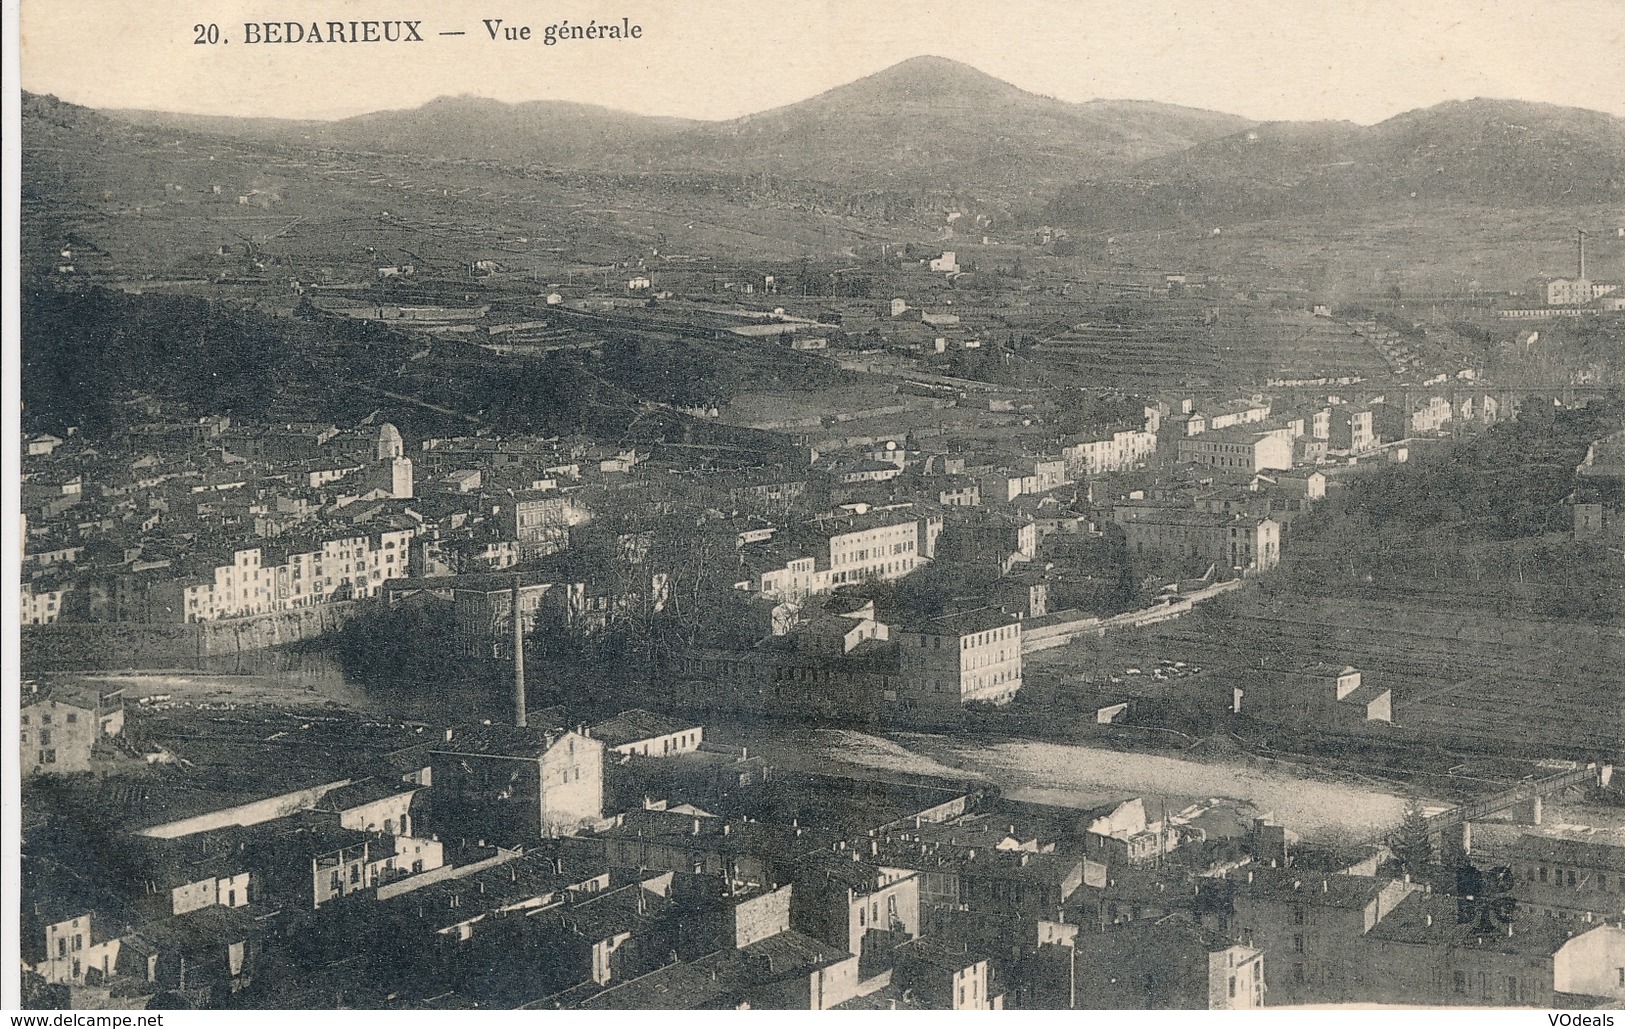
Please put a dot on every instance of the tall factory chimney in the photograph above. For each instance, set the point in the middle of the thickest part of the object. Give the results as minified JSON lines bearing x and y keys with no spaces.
{"x":1580,"y":236}
{"x":518,"y":659}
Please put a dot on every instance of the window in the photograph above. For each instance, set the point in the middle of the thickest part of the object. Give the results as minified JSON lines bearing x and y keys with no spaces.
{"x":1459,"y":981}
{"x":73,"y":718}
{"x":1512,"y":989}
{"x":355,"y":873}
{"x":48,"y":757}
{"x":1297,"y":916}
{"x":1297,"y":944}
{"x":1232,"y":987}
{"x":1542,"y":873}
{"x":78,"y":941}
{"x":1571,"y":878}
{"x":45,"y":737}
{"x":1297,"y":974}
{"x":62,"y":947}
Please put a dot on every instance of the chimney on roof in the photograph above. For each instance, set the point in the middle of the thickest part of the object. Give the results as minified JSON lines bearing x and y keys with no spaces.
{"x":1427,"y":920}
{"x":696,"y":827}
{"x":1325,"y":886}
{"x":1249,"y":875}
{"x":1297,"y":884}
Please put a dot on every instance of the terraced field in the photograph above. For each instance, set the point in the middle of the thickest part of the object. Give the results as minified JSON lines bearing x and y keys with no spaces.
{"x":1178,"y":342}
{"x":1461,"y":678}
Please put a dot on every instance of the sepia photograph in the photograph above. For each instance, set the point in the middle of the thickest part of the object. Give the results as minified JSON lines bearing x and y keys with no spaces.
{"x":815,"y":505}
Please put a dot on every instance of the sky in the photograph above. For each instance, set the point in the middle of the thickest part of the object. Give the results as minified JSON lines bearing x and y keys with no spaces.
{"x":1359,"y":60}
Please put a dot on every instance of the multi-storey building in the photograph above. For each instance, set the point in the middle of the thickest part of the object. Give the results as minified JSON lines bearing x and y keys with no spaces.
{"x":1247,"y":542}
{"x":1237,"y":450}
{"x":56,"y":735}
{"x":841,"y":898}
{"x":541,"y":520}
{"x":1165,"y":963}
{"x":528,"y":782}
{"x":1557,"y":872}
{"x":1352,"y":429}
{"x":1125,"y":450}
{"x":956,"y":659}
{"x":881,"y":545}
{"x":41,"y":602}
{"x":1577,"y":292}
{"x":283,"y":576}
{"x":1311,"y":926}
{"x":1409,"y":415}
{"x":1424,"y":953}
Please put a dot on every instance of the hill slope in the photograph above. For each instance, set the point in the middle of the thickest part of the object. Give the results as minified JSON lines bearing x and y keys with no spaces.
{"x":1475,"y":152}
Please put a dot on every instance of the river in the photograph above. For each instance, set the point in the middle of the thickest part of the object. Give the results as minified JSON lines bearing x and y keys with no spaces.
{"x":1074,"y":775}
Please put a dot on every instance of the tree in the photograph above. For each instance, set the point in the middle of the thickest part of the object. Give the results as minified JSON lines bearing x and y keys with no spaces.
{"x":1411,"y":842}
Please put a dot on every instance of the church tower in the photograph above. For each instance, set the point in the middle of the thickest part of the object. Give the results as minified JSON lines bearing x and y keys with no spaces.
{"x":392,"y":469}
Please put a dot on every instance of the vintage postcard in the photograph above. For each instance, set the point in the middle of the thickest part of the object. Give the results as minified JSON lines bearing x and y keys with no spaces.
{"x":817,"y":505}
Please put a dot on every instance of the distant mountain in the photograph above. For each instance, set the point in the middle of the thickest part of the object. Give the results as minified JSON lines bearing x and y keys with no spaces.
{"x":539,"y":132}
{"x":1475,"y":152}
{"x":933,"y":120}
{"x":926,"y":121}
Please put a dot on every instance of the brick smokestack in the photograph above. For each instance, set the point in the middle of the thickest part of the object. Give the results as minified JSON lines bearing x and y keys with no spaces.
{"x":518,"y":659}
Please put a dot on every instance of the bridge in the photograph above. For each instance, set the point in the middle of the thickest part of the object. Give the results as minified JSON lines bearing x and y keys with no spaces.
{"x":1448,"y":826}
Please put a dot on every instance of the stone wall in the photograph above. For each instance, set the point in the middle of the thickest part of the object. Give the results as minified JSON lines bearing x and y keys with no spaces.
{"x":84,"y":646}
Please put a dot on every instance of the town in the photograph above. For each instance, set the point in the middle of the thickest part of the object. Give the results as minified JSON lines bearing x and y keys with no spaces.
{"x":965,"y":613}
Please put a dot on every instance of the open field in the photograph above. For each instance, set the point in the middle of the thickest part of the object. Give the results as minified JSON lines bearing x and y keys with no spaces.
{"x":183,"y":688}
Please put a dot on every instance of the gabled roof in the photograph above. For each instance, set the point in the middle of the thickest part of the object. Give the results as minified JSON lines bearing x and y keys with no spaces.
{"x":1285,"y":885}
{"x":499,"y":741}
{"x":637,"y":725}
{"x":359,"y":794}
